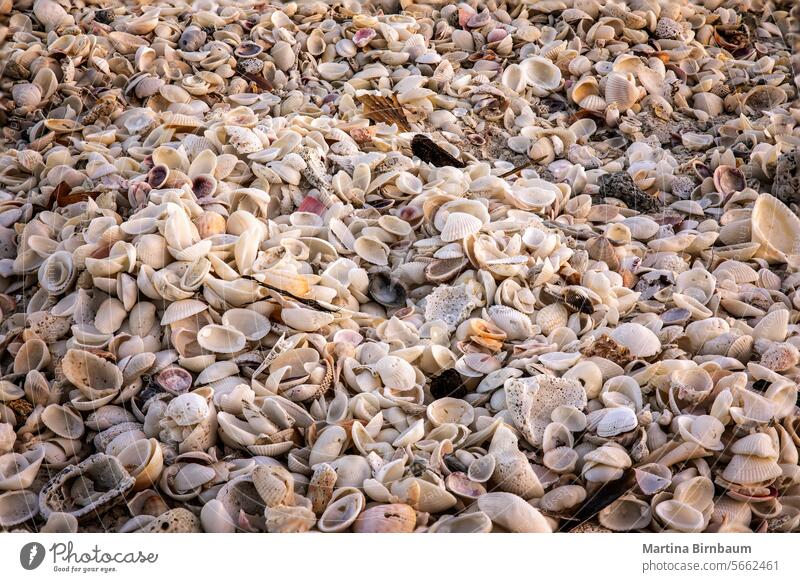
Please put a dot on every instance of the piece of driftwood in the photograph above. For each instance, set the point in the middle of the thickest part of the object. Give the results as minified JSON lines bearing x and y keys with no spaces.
{"x":427,"y":151}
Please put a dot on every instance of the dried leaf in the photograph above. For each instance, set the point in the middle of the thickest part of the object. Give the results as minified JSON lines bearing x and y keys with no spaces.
{"x":386,"y":109}
{"x":259,"y":81}
{"x":427,"y":151}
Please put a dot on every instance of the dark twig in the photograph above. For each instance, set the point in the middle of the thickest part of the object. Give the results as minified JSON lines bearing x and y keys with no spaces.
{"x":313,"y":303}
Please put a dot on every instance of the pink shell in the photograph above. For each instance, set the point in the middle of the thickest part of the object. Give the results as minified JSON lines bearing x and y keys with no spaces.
{"x":174,"y":380}
{"x":363,"y":36}
{"x":311,"y":204}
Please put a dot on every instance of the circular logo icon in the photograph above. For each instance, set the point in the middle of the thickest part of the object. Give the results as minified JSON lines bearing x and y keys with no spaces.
{"x":31,"y":555}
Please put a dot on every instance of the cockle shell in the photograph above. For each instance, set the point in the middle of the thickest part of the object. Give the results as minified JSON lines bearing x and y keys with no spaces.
{"x":307,"y":234}
{"x":616,"y":421}
{"x":621,"y":90}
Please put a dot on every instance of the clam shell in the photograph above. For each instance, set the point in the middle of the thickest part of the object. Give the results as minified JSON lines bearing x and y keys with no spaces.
{"x":221,"y":339}
{"x":512,"y":513}
{"x":251,"y":324}
{"x":389,"y":518}
{"x":626,"y":513}
{"x":641,"y":342}
{"x":17,"y":507}
{"x":775,"y":228}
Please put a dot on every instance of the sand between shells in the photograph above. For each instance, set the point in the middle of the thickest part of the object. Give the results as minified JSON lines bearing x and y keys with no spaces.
{"x":395,"y":267}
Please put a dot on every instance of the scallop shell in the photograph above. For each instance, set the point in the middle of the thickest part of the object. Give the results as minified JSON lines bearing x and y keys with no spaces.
{"x":460,"y":225}
{"x":617,"y":421}
{"x":621,"y":90}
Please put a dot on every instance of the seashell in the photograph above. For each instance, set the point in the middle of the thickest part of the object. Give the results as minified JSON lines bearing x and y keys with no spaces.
{"x":709,"y":103}
{"x":773,"y":326}
{"x":641,"y":342}
{"x":626,"y":513}
{"x":63,"y":421}
{"x":214,"y":518}
{"x":512,"y":513}
{"x":616,"y":421}
{"x":342,"y":512}
{"x":57,"y":273}
{"x":253,"y":325}
{"x":652,"y":478}
{"x":178,"y":520}
{"x":621,"y":90}
{"x":305,"y":319}
{"x":450,"y":410}
{"x":289,"y":519}
{"x":174,"y":379}
{"x":460,"y":225}
{"x":187,"y":409}
{"x":680,"y":516}
{"x":33,"y":355}
{"x":388,"y":518}
{"x":17,"y":507}
{"x":221,"y":339}
{"x":729,"y":180}
{"x":60,"y":523}
{"x":481,"y":470}
{"x":333,"y":71}
{"x":18,"y":470}
{"x":396,"y":373}
{"x":372,"y":250}
{"x":477,"y":522}
{"x":704,"y":430}
{"x":244,"y":233}
{"x":692,"y":384}
{"x":91,"y":374}
{"x":552,"y":317}
{"x":144,"y":460}
{"x":774,"y":228}
{"x":541,"y":74}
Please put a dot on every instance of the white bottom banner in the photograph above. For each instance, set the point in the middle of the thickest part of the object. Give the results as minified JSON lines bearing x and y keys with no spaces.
{"x":386,"y":558}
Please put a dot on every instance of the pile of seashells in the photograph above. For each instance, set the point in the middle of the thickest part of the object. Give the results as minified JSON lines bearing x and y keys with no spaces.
{"x":241,"y":291}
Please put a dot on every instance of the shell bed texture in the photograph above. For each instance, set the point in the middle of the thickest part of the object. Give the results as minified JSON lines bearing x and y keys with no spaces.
{"x":398,"y":266}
